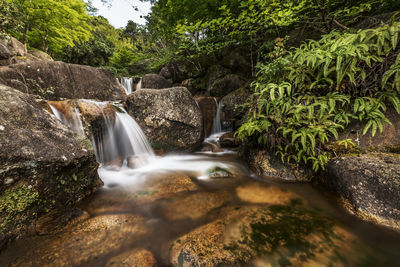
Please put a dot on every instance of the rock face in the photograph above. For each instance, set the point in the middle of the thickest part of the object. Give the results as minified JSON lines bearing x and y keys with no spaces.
{"x":215,"y":72}
{"x":177,"y":71}
{"x":208,"y":107}
{"x":223,"y":86}
{"x":266,"y":164}
{"x":232,"y":113}
{"x":370,"y":184}
{"x":155,"y":81}
{"x":57,"y":80}
{"x":170,"y":118}
{"x":387,"y":141}
{"x":40,"y":55}
{"x":43,"y":165}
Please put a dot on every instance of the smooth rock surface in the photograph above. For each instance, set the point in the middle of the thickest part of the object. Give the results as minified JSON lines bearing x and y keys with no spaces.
{"x":55,"y":80}
{"x":369,"y":184}
{"x":170,"y":118}
{"x":43,"y":165}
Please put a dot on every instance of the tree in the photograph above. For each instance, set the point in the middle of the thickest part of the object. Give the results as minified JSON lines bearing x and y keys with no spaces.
{"x":51,"y":25}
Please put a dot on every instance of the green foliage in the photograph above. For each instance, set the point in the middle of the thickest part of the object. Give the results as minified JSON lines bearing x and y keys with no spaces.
{"x":303,"y":100}
{"x":51,"y":25}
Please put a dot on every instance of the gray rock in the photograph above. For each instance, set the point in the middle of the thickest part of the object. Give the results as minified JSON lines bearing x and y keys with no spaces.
{"x":170,"y":118}
{"x":4,"y":52}
{"x":155,"y":81}
{"x":223,"y":86}
{"x":55,"y":80}
{"x":177,"y":71}
{"x":40,"y":55}
{"x":266,"y":164}
{"x":370,"y":186}
{"x":43,"y":165}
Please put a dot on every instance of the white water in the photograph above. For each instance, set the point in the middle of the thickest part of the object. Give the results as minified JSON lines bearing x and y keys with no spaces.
{"x":139,"y":84}
{"x":216,"y":127}
{"x":74,"y":122}
{"x":198,"y":166}
{"x":127,"y":84}
{"x":122,"y":139}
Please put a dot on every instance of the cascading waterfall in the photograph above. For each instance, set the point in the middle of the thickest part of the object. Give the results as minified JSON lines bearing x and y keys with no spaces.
{"x":121,"y":140}
{"x":72,"y":121}
{"x":216,"y":127}
{"x":139,"y":84}
{"x":127,"y":83}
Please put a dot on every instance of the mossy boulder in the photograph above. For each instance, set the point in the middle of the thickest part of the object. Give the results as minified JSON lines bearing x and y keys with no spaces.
{"x":54,"y":80}
{"x":43,"y":165}
{"x":155,"y":81}
{"x":170,"y":118}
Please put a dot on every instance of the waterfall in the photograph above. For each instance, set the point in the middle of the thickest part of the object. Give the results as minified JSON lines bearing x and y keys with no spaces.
{"x":121,"y":141}
{"x":127,"y":84}
{"x":139,"y":84}
{"x":216,"y":127}
{"x":71,"y":118}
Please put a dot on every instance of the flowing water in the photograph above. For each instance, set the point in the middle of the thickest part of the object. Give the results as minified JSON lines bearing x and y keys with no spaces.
{"x":72,"y":121}
{"x":216,"y":127}
{"x":127,"y":83}
{"x":167,"y":210}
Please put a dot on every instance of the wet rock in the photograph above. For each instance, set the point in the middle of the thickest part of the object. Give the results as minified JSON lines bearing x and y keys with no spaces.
{"x":55,"y":80}
{"x":218,"y":172}
{"x":193,"y":206}
{"x":228,"y":140}
{"x":369,"y":185}
{"x":43,"y":165}
{"x":242,"y":235}
{"x":259,"y":193}
{"x":177,"y":71}
{"x":208,"y":107}
{"x":87,"y":243}
{"x":58,"y":220}
{"x":133,"y":258}
{"x":266,"y":164}
{"x":170,"y":118}
{"x":225,"y":85}
{"x":155,"y":81}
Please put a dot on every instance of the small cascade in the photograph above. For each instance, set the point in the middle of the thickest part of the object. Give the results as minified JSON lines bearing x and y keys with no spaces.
{"x":127,"y":84}
{"x":68,"y":115}
{"x":216,"y":127}
{"x":121,"y":141}
{"x":139,"y":84}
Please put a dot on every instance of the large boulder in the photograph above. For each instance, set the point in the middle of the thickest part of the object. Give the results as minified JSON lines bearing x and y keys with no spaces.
{"x":170,"y":118}
{"x":369,"y":184}
{"x":43,"y":165}
{"x":177,"y":71}
{"x":4,"y":51}
{"x":15,"y":47}
{"x":155,"y":81}
{"x":223,"y":86}
{"x":215,"y":72}
{"x":40,"y":55}
{"x":232,"y":114}
{"x":55,"y":80}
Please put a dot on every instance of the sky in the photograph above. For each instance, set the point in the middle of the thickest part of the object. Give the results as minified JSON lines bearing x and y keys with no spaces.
{"x":121,"y":11}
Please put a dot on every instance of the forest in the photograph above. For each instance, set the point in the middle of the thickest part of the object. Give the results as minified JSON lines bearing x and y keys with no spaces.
{"x":315,"y":65}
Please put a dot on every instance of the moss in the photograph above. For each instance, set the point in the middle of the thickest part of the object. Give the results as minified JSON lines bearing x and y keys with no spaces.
{"x":15,"y":202}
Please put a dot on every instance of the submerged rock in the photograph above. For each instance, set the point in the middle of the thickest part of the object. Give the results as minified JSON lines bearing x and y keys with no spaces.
{"x":246,"y":235}
{"x":155,"y":81}
{"x":170,"y":118}
{"x":369,"y":185}
{"x":43,"y":165}
{"x":55,"y":80}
